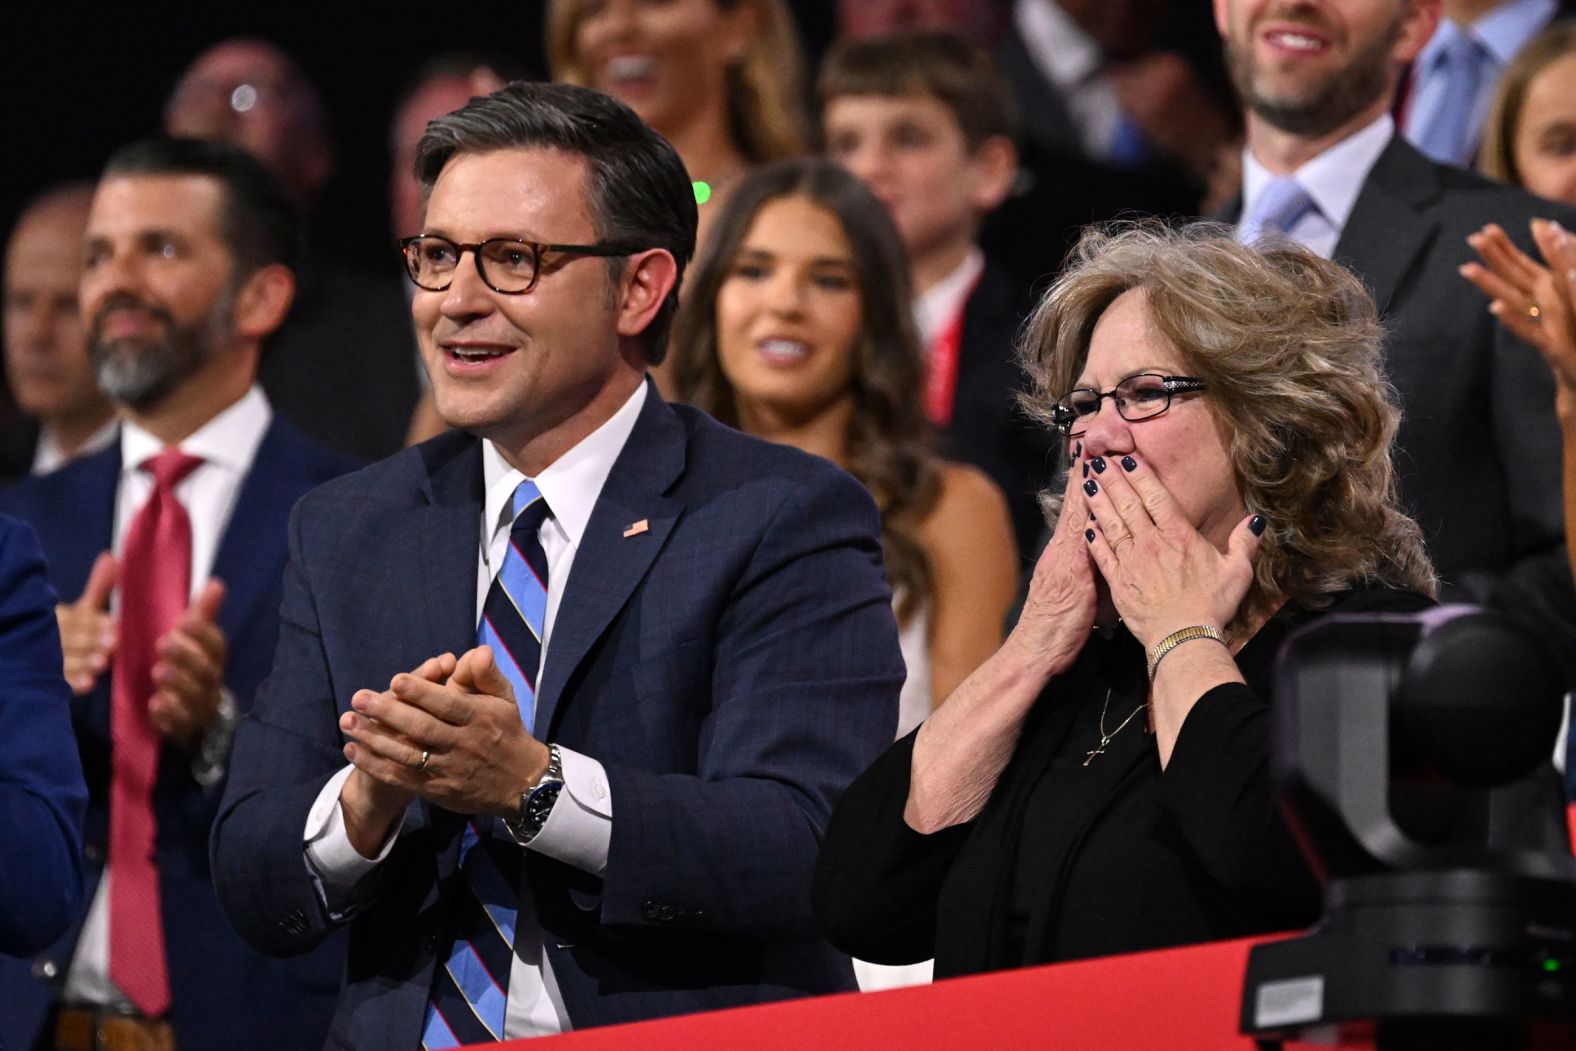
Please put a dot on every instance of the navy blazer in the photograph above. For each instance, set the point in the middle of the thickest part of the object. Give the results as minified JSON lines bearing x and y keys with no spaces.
{"x":223,"y":993}
{"x":42,"y":795}
{"x":732,"y":667}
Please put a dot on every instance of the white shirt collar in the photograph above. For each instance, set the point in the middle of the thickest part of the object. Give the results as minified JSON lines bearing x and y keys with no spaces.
{"x":947,"y":297}
{"x":1059,"y":46}
{"x":571,"y":483}
{"x":229,"y":440}
{"x":1333,"y":179}
{"x":49,"y":456}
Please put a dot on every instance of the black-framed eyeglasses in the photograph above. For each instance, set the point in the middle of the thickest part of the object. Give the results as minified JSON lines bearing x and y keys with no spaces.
{"x":1139,"y":397}
{"x":507,"y":264}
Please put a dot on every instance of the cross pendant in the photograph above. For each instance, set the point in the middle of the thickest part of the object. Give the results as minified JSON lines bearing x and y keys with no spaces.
{"x":1097,"y":750}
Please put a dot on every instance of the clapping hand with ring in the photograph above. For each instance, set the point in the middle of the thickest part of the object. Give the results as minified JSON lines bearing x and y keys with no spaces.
{"x":1162,"y":574}
{"x":1533,"y":300}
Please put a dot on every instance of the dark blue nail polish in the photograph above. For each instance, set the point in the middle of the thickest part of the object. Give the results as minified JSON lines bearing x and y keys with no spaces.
{"x":1258,"y":524}
{"x":1099,"y":464}
{"x":1089,"y":535}
{"x":1086,"y":469}
{"x":1129,"y":464}
{"x":1078,"y":449}
{"x":1090,"y":487}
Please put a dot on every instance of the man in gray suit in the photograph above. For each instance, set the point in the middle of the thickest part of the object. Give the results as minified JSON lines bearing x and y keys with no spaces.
{"x":1479,"y":448}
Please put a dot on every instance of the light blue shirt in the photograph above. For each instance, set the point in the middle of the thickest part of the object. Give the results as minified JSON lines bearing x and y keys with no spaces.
{"x":1502,"y":33}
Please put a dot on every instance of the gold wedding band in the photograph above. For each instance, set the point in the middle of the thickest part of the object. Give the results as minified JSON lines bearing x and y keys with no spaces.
{"x":1119,"y":541}
{"x":425,"y":755}
{"x":1534,"y":312}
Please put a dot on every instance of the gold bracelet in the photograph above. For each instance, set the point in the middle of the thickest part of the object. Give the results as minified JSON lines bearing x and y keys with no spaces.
{"x":1177,"y":638}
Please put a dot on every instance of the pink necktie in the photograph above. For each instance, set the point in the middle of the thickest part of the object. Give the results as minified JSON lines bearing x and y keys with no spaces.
{"x":155,"y":588}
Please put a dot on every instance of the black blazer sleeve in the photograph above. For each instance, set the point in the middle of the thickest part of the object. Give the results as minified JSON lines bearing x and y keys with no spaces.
{"x":877,"y":880}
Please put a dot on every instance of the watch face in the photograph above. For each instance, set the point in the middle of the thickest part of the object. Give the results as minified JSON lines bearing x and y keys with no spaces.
{"x":541,"y":803}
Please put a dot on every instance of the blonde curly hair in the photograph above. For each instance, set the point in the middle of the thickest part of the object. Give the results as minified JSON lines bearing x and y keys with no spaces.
{"x":1290,"y":347}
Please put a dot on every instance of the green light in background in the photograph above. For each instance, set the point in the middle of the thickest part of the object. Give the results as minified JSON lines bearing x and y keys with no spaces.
{"x":702,"y":191}
{"x":1551,"y":965}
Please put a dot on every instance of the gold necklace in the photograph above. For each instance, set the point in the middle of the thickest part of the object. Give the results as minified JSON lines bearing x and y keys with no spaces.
{"x":1105,"y":738}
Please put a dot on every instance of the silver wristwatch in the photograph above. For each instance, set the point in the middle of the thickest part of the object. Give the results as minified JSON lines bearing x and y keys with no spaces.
{"x":536,"y":802}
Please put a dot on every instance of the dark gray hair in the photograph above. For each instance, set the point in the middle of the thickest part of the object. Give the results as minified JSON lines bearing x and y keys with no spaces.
{"x":638,"y":191}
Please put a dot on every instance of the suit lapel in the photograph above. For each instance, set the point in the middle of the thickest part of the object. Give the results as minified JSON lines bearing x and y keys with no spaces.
{"x":608,"y":564}
{"x":251,"y":554}
{"x":1390,"y":228}
{"x":443,"y":539}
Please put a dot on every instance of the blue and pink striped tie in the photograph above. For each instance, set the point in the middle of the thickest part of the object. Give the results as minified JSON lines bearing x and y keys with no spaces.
{"x":470,"y":991}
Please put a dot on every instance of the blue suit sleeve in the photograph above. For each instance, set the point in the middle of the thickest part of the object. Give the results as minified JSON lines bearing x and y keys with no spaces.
{"x":42,"y":794}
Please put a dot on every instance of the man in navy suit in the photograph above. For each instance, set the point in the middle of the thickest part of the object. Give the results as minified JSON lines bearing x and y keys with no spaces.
{"x":189,"y":248}
{"x":41,"y":791}
{"x":712,"y":651}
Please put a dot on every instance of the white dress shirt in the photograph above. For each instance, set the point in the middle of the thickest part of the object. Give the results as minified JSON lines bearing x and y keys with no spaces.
{"x":1502,"y":33}
{"x":939,"y":307}
{"x":1333,"y":179}
{"x":48,"y":455}
{"x":579,"y":829}
{"x":227,"y":445}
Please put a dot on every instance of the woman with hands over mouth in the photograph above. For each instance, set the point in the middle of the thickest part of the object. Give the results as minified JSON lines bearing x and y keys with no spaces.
{"x":1102,"y":783}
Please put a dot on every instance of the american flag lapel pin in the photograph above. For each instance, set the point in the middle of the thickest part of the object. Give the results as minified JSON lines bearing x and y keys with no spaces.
{"x":636,"y":528}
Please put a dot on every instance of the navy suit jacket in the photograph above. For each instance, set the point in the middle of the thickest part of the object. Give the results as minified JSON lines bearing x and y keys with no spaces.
{"x":733,"y":667}
{"x":42,"y":795}
{"x":223,"y":994}
{"x":1478,"y":454}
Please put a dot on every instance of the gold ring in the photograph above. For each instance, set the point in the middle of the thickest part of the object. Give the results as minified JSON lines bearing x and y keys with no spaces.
{"x":1119,"y":541}
{"x":425,"y":755}
{"x":1534,"y":312}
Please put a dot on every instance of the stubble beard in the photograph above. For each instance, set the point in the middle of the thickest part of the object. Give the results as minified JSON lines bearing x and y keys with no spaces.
{"x":140,"y":373}
{"x":1315,"y":111}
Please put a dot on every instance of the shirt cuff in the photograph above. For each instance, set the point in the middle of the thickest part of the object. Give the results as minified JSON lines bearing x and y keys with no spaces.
{"x":580,"y":827}
{"x":335,"y":864}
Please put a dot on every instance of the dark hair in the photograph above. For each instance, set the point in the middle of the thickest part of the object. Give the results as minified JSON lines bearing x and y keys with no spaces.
{"x":637,"y":191}
{"x":258,"y":219}
{"x":951,"y":69}
{"x":888,"y":439}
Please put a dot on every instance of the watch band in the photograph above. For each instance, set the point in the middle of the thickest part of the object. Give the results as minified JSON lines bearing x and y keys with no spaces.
{"x":536,"y":802}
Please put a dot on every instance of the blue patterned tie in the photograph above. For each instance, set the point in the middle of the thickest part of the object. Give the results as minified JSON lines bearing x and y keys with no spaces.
{"x":1449,"y":136}
{"x":1280,"y":207}
{"x":470,"y":992}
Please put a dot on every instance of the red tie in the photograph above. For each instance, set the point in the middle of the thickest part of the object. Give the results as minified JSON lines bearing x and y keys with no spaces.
{"x":155,"y":588}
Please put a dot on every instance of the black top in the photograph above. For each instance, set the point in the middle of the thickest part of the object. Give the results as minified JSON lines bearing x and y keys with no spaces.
{"x":1069,"y":861}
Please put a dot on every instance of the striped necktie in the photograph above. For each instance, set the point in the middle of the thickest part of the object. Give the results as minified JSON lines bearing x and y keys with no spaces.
{"x":470,"y":992}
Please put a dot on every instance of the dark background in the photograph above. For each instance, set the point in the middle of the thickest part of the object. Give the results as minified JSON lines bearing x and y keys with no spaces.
{"x":78,"y":80}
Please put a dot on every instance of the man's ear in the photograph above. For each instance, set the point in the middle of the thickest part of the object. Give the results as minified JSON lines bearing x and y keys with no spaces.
{"x":648,"y":278}
{"x":996,"y":167}
{"x":1417,"y":29}
{"x":263,"y":302}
